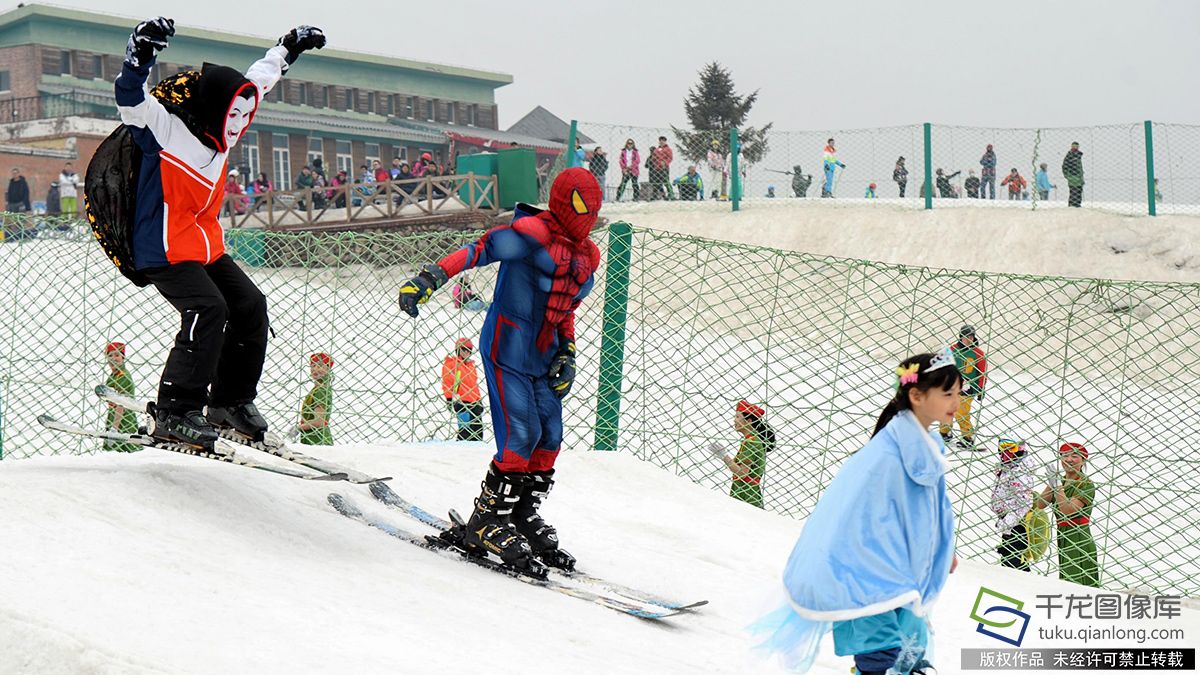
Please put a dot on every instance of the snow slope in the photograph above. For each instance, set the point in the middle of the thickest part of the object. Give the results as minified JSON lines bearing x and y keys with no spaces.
{"x":986,"y":236}
{"x":155,"y":562}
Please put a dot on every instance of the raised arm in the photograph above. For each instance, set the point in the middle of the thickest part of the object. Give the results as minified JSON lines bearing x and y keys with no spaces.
{"x":137,"y":108}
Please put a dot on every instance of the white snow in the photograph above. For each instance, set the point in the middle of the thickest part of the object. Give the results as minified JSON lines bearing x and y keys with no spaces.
{"x":977,"y":235}
{"x":155,"y":562}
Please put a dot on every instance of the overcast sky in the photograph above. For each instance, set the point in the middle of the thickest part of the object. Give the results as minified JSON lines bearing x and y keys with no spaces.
{"x":817,"y":65}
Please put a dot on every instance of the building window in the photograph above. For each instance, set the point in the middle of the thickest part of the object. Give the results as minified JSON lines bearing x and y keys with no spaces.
{"x":345,"y":158}
{"x":372,"y":150}
{"x":303,"y":93}
{"x":316,"y":149}
{"x":98,"y":67}
{"x":370,"y":101}
{"x":5,"y":84}
{"x":282,"y":160}
{"x":248,"y":157}
{"x":391,"y":105}
{"x":430,"y":107}
{"x":472,"y":115}
{"x":351,"y":95}
{"x":65,"y":62}
{"x":407,"y":112}
{"x":450,"y":113}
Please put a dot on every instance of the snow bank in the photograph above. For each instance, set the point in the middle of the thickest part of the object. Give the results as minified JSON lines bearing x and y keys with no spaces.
{"x":981,"y":236}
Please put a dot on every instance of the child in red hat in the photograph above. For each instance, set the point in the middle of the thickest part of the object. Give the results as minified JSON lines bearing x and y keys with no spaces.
{"x":750,"y":462}
{"x":1072,"y":502}
{"x":314,"y":412}
{"x":119,"y":419}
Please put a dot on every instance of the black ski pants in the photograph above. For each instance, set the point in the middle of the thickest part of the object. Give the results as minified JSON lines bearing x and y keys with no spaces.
{"x":222,"y":339}
{"x":1012,"y":545}
{"x":1075,"y":198}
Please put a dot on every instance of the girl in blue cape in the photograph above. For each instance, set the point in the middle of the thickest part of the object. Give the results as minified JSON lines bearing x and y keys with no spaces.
{"x":878,"y":547}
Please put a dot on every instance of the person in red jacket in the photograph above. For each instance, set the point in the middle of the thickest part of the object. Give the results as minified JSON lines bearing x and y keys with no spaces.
{"x":460,"y":388}
{"x":660,"y":170}
{"x":184,"y":131}
{"x":1015,"y":184}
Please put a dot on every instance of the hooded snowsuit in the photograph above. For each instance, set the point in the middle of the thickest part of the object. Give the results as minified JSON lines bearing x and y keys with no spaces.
{"x":177,"y":242}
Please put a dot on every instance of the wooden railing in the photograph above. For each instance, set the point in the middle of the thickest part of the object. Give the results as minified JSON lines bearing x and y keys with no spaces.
{"x":361,"y":202}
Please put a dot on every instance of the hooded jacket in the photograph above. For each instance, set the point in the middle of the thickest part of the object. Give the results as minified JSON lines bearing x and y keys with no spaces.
{"x":180,"y":130}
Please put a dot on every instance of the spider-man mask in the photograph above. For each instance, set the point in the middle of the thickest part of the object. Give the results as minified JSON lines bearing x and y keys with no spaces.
{"x":575,"y":200}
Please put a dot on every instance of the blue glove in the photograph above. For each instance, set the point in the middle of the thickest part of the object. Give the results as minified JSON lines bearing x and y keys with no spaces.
{"x":148,"y":39}
{"x":562,"y":370}
{"x":416,"y":291}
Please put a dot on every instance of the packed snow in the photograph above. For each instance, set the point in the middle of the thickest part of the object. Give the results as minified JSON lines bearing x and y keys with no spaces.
{"x":154,"y":562}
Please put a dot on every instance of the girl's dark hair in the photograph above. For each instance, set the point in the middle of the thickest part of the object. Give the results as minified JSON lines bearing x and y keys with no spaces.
{"x":942,"y":378}
{"x":762,"y":431}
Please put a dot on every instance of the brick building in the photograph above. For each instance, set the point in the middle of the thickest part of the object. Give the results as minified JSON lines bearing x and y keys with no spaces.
{"x":56,"y":99}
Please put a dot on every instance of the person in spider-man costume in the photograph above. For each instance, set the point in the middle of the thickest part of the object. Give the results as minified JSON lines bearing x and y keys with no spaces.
{"x":547,"y":263}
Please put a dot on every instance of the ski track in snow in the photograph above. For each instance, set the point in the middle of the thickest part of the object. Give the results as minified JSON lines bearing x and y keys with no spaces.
{"x":153,"y":562}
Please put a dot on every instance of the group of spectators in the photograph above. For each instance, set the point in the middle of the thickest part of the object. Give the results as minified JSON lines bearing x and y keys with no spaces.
{"x":689,"y":186}
{"x":62,"y":197}
{"x":984,"y":185}
{"x":330,"y":189}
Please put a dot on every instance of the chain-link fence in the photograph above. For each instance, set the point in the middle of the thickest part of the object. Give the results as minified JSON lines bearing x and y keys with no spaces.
{"x":1113,"y":365}
{"x":967,"y":166}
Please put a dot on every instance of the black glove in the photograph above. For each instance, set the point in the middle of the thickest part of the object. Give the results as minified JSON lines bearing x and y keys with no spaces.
{"x":562,"y":370}
{"x":301,"y":39}
{"x":416,"y":291}
{"x":147,"y":39}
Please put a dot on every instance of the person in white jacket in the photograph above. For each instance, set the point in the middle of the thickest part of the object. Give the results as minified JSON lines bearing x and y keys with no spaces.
{"x":716,"y":168}
{"x":68,"y":194}
{"x":1012,"y":498}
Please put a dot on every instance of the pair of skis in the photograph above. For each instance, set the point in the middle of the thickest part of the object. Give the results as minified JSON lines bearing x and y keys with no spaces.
{"x":614,"y":596}
{"x":225,"y":449}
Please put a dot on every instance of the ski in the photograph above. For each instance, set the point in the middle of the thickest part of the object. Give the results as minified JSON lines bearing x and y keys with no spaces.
{"x":225,"y":451}
{"x":272,"y":444}
{"x":349,"y":510}
{"x":388,"y":496}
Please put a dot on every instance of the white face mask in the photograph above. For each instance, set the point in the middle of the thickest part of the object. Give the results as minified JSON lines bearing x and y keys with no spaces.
{"x":238,"y":119}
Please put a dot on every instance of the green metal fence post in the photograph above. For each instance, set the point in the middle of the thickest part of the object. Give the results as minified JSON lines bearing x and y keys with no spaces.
{"x":735,"y":177}
{"x":612,"y":339}
{"x":571,"y":144}
{"x":928,"y":188}
{"x":1150,"y":169}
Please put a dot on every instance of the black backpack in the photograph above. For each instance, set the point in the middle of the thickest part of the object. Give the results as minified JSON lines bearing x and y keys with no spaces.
{"x":110,"y":199}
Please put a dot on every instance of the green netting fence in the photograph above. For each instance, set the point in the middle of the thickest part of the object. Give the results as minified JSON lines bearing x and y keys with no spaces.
{"x":1113,"y":365}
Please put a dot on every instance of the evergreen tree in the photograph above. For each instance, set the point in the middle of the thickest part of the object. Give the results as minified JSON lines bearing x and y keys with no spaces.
{"x":713,"y":108}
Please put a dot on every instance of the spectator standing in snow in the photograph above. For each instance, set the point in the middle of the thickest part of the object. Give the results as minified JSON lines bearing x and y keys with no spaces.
{"x":460,"y":388}
{"x":1072,"y":498}
{"x":945,"y":189}
{"x":972,"y":185}
{"x":16,"y":199}
{"x":318,"y":404}
{"x":1072,"y":169}
{"x":716,"y":167}
{"x":1042,"y":181}
{"x":800,"y":182}
{"x":598,"y":165}
{"x":68,"y":190}
{"x":830,"y":163}
{"x":900,"y":175}
{"x":870,"y":193}
{"x":750,"y":462}
{"x":1012,"y":499}
{"x":1015,"y":183}
{"x":630,"y":162}
{"x":660,"y":170}
{"x":988,"y":181}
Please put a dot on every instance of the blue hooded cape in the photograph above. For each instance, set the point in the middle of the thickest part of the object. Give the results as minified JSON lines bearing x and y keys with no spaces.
{"x":881,"y":538}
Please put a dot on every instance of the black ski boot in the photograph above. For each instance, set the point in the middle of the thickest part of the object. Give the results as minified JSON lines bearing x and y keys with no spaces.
{"x":188,"y":427}
{"x":242,"y":418}
{"x":542,"y":536}
{"x":489,"y":529}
